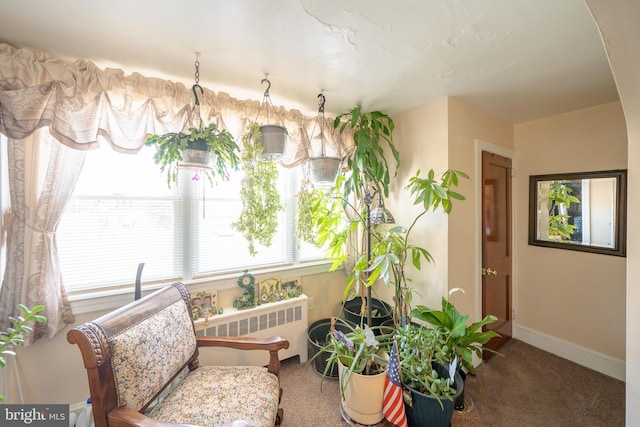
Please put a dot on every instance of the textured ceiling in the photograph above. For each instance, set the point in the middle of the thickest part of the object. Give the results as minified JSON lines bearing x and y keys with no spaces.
{"x":518,"y":60}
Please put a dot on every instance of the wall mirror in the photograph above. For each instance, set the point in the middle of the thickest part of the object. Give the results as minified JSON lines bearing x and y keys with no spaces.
{"x":579,"y":211}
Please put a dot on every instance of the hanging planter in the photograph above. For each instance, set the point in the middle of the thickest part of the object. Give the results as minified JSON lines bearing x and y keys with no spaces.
{"x":206,"y":149}
{"x":274,"y":141}
{"x":323,"y":169}
{"x":273,"y":137}
{"x":197,"y":153}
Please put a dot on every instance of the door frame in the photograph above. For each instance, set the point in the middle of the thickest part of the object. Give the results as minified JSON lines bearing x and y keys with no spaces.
{"x":481,"y":146}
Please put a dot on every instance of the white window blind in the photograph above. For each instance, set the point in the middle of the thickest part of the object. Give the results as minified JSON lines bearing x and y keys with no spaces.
{"x":122,"y":214}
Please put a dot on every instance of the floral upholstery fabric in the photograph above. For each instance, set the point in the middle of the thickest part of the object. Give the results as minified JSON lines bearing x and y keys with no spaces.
{"x":214,"y":395}
{"x":147,"y":354}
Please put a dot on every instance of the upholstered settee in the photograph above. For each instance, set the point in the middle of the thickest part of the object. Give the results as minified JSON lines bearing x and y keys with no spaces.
{"x":142,"y":365}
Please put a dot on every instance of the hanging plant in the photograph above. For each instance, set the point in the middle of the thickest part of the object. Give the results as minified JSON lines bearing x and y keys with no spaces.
{"x":272,"y":137}
{"x":258,"y":221}
{"x":323,"y":169}
{"x":197,"y":148}
{"x":207,"y":149}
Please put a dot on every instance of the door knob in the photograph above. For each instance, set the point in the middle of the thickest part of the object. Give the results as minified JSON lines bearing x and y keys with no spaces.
{"x":489,"y":271}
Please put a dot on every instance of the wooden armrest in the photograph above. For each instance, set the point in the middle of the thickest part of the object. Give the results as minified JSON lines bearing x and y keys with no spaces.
{"x":128,"y":417}
{"x":244,"y":343}
{"x":272,"y":345}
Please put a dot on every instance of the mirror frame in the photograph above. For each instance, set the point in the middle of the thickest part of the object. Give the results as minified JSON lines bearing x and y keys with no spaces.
{"x":620,"y":230}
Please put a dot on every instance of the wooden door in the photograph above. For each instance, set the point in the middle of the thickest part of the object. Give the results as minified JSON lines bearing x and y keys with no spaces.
{"x":496,"y":246}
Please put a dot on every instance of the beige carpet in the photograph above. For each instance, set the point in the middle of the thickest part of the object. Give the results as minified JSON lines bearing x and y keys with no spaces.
{"x":527,"y":387}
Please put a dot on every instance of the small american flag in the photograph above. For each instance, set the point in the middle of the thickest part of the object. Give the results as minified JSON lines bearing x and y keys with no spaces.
{"x":393,"y":404}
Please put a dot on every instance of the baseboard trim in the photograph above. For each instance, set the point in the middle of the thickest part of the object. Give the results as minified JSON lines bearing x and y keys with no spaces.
{"x":607,"y":365}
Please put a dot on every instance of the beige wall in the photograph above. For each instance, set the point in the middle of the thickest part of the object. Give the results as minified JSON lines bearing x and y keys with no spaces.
{"x":53,"y":372}
{"x":573,"y":296}
{"x":442,"y":136}
{"x":466,"y":125}
{"x":421,"y":136}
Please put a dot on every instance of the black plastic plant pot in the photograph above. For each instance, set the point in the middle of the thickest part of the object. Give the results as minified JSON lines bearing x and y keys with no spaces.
{"x":426,"y":411}
{"x":381,"y":312}
{"x":317,"y":338}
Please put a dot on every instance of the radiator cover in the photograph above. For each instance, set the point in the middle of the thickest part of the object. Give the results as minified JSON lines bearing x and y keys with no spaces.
{"x":287,"y":318}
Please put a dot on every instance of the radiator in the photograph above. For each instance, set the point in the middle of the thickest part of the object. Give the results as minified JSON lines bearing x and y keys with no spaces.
{"x":287,"y":318}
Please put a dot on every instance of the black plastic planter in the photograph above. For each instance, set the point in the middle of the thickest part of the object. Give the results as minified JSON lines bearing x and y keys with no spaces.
{"x":427,"y":411}
{"x":317,"y":338}
{"x":381,"y":312}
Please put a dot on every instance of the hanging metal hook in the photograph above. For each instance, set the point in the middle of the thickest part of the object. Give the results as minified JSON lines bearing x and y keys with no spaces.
{"x":266,"y":92}
{"x":197,"y":79}
{"x":321,"y":101}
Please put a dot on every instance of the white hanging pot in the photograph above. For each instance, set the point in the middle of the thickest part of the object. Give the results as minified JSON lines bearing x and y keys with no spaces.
{"x":323,"y":171}
{"x":273,"y":139}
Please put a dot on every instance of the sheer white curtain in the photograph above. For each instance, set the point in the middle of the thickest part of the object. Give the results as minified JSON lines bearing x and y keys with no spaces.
{"x":44,"y":99}
{"x":42,"y":174}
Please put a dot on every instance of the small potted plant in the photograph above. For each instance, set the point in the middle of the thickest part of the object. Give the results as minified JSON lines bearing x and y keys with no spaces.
{"x":461,"y":340}
{"x":361,"y":357}
{"x":432,"y":384}
{"x":205,"y":148}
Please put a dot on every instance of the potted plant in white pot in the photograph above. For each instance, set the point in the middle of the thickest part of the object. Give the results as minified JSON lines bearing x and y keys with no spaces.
{"x":361,"y":358}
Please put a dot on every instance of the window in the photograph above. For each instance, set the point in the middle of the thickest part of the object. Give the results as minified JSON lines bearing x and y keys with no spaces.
{"x":123,"y":213}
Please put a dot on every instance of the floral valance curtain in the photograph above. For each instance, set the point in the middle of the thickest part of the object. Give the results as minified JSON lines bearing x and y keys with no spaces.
{"x":83,"y":106}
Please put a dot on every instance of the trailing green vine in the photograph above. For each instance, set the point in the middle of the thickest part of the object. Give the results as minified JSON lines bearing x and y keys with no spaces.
{"x":319,"y":212}
{"x":258,"y":221}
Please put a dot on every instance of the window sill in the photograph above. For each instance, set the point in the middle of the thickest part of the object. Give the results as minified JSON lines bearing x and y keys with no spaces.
{"x":107,"y":300}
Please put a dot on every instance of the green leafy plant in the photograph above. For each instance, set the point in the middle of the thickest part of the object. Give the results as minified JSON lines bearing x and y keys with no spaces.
{"x":258,"y":221}
{"x":170,"y":149}
{"x":359,"y":349}
{"x":459,"y":340}
{"x":560,"y":199}
{"x":392,"y":249}
{"x":14,"y":336}
{"x":367,"y":163}
{"x":319,"y":213}
{"x":420,"y":351}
